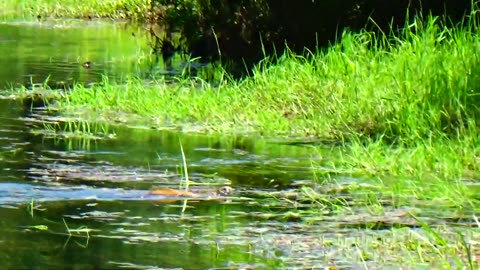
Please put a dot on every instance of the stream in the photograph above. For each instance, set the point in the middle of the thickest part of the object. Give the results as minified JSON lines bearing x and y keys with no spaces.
{"x":77,"y":202}
{"x":69,"y":202}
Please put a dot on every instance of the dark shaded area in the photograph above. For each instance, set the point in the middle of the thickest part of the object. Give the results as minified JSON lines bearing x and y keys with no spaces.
{"x":245,"y":31}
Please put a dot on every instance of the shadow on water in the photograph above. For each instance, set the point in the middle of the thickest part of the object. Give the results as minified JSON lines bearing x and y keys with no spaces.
{"x":82,"y":201}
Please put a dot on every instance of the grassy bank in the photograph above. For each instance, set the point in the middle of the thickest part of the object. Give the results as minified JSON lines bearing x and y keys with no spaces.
{"x":116,"y":9}
{"x":420,"y":85}
{"x":402,"y":106}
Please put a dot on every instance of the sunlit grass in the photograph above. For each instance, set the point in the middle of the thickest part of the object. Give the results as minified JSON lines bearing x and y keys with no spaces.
{"x":117,"y":9}
{"x":439,"y":247}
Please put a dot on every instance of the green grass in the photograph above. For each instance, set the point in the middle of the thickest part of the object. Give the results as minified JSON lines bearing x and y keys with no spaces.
{"x":415,"y":86}
{"x":402,"y":106}
{"x":116,"y":9}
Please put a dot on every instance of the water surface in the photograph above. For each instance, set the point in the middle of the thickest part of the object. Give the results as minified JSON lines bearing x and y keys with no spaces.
{"x":55,"y":51}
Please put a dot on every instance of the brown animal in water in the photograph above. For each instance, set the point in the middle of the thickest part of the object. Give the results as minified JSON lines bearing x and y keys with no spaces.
{"x":222,"y":191}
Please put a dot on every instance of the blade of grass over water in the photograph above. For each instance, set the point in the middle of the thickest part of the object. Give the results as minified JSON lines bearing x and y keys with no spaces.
{"x":184,"y":165}
{"x":185,"y":173}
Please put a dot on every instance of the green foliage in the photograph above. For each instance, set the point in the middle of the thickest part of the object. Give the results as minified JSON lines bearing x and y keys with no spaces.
{"x":420,"y":84}
{"x":246,"y":31}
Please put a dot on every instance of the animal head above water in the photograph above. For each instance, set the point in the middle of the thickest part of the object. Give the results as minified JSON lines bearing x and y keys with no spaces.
{"x":224,"y":191}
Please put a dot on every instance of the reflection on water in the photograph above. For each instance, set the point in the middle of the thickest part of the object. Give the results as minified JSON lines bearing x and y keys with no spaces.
{"x":55,"y":51}
{"x":47,"y":181}
{"x":83,"y":203}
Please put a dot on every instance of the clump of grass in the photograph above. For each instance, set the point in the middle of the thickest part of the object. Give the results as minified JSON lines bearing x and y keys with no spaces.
{"x":432,"y":173}
{"x":419,"y":84}
{"x":442,"y":157}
